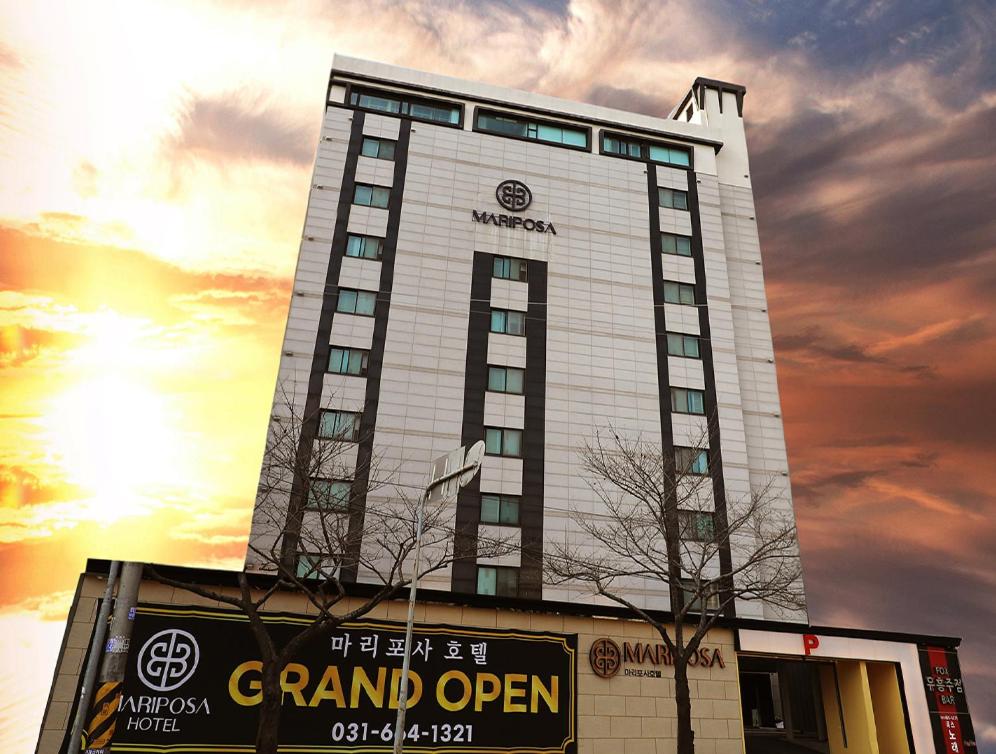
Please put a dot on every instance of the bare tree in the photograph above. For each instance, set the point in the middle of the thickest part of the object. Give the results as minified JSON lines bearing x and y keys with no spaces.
{"x":657,"y":525}
{"x":318,"y":528}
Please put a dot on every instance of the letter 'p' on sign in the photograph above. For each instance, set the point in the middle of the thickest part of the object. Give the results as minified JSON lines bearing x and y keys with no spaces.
{"x":810,"y":642}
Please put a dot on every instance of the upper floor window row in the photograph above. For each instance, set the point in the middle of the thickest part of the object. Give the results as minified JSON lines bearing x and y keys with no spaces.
{"x":508,"y":322}
{"x":506,"y":268}
{"x":364,"y":247}
{"x":666,"y":154}
{"x":523,"y":127}
{"x":398,"y":103}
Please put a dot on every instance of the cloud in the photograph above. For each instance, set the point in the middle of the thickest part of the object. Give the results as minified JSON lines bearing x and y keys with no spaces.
{"x":237,"y":126}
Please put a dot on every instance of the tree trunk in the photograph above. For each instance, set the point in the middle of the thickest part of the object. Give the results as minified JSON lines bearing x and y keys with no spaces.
{"x":268,"y":730}
{"x":683,"y":703}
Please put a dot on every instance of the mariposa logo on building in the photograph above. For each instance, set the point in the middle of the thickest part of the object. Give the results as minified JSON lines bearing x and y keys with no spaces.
{"x":514,"y":196}
{"x":166,"y":661}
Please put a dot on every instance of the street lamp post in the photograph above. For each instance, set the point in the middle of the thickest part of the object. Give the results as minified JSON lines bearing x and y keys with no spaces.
{"x":448,"y":474}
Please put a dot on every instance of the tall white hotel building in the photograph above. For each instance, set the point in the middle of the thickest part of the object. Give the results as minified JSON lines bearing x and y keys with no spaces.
{"x":485,"y":263}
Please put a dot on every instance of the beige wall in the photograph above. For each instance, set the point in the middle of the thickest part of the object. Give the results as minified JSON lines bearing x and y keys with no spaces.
{"x":619,"y":715}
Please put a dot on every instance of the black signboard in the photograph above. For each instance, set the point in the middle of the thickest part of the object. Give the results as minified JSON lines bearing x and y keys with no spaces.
{"x":192,"y":685}
{"x":949,"y":717}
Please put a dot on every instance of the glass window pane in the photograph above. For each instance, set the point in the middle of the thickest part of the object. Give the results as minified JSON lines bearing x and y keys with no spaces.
{"x":380,"y":197}
{"x":337,"y":360}
{"x":339,"y":494}
{"x":509,"y":513}
{"x":671,"y":293}
{"x":674,"y":345}
{"x":490,"y":505}
{"x":496,"y":379}
{"x":634,"y":151}
{"x":308,"y":566}
{"x":386,"y":150}
{"x":362,"y":196}
{"x":696,"y":402}
{"x":508,"y":582}
{"x":519,"y":269}
{"x":380,"y":103}
{"x":683,"y":245}
{"x":679,"y":200}
{"x":487,"y":580}
{"x":700,"y":465}
{"x":516,"y":323}
{"x":687,"y":294}
{"x":356,"y":359}
{"x":678,"y":157}
{"x":679,"y":401}
{"x":512,"y":442}
{"x":691,"y":346}
{"x":508,"y":126}
{"x":354,"y":246}
{"x":347,"y":301}
{"x":497,"y":321}
{"x":369,"y":148}
{"x":366,"y":302}
{"x":492,"y":441}
{"x":611,"y":145}
{"x":575,"y":138}
{"x":669,"y":243}
{"x":553,"y":134}
{"x":513,"y":380}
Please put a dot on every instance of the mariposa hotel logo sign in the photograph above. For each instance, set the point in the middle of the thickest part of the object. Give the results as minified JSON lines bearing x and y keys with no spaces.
{"x":607,"y":659}
{"x":513,"y":196}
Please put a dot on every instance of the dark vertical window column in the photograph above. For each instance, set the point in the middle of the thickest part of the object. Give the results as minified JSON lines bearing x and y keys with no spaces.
{"x":375,"y":364}
{"x":468,"y":513}
{"x":319,"y":364}
{"x":534,"y":435}
{"x":711,"y":405}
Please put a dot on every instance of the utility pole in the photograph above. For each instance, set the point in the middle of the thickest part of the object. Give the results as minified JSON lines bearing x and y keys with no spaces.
{"x":100,"y":727}
{"x":447,"y":475}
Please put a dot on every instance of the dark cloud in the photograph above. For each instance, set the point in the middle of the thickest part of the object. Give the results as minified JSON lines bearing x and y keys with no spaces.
{"x":19,"y":345}
{"x":232,"y":128}
{"x":816,"y":343}
{"x":629,"y":100}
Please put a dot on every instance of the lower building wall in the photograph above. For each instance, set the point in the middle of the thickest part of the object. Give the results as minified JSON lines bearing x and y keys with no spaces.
{"x":630,"y":712}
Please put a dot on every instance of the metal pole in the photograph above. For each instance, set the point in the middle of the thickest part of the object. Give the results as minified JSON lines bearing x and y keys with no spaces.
{"x":93,"y":661}
{"x":101,"y":725}
{"x":399,"y":727}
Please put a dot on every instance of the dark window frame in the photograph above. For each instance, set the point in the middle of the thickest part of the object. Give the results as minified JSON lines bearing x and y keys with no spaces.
{"x":310,"y":506}
{"x":695,"y":603}
{"x":685,"y":410}
{"x":505,"y":331}
{"x":699,"y":452}
{"x":503,"y":431}
{"x":676,"y":253}
{"x":506,"y":391}
{"x":364,"y":360}
{"x":364,"y":239}
{"x":357,"y":186}
{"x":404,"y":98}
{"x":354,"y":312}
{"x":684,"y":337}
{"x":674,"y":192}
{"x":380,"y":143}
{"x":502,"y":499}
{"x":645,"y":145}
{"x":354,"y":435}
{"x":478,"y":110}
{"x":522,"y":268}
{"x":687,"y":525}
{"x":497,"y":569}
{"x":679,"y":302}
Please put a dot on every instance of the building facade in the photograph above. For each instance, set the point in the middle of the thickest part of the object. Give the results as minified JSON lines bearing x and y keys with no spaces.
{"x":484,"y":263}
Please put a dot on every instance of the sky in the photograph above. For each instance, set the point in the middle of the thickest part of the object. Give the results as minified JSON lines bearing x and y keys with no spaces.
{"x":155,"y":160}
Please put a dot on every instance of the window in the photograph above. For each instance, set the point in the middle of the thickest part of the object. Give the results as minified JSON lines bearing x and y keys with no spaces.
{"x":312,"y":565}
{"x":371,"y":196}
{"x":348,"y":361}
{"x":499,"y":509}
{"x":691,"y":461}
{"x":364,"y":247}
{"x":382,"y":149}
{"x":634,"y":148}
{"x":693,"y":596}
{"x":329,"y":494}
{"x":669,"y":155}
{"x":397,"y":103}
{"x":339,"y":425}
{"x":503,"y":442}
{"x":519,"y":126}
{"x":615,"y":145}
{"x":679,"y":293}
{"x":356,"y":302}
{"x":498,"y":581}
{"x":508,"y":322}
{"x":679,"y":344}
{"x":509,"y":269}
{"x":672,"y":243}
{"x":696,"y":526}
{"x":673,"y":199}
{"x":684,"y":401}
{"x":505,"y":380}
